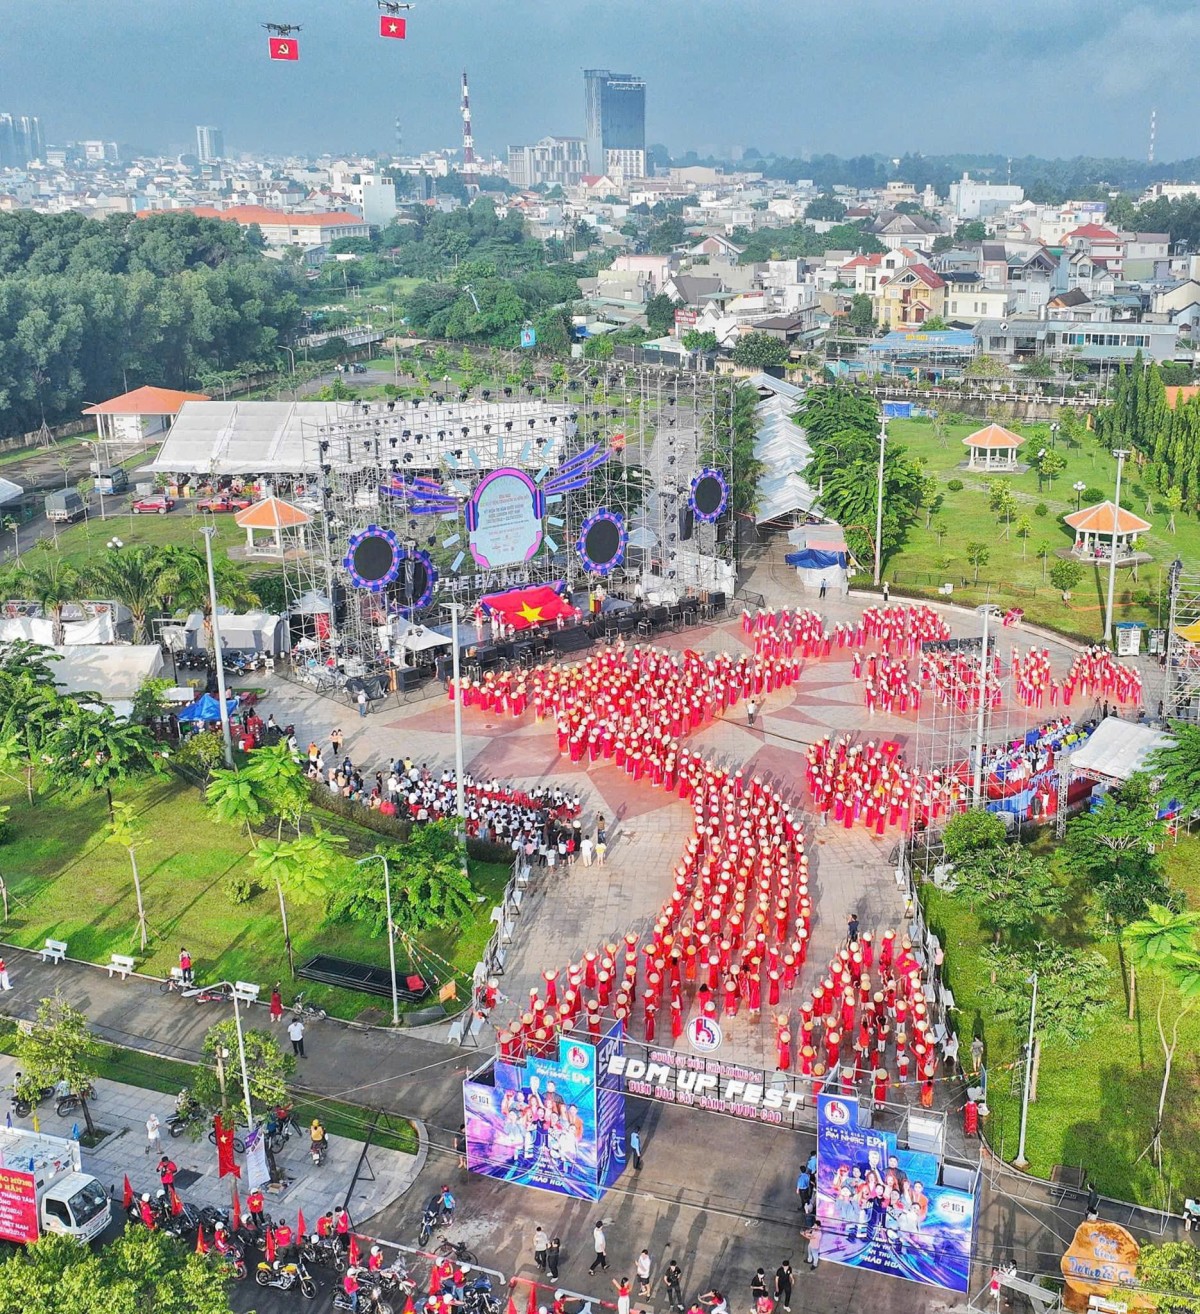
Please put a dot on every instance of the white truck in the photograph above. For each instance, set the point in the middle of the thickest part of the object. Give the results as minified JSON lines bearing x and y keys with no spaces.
{"x":43,"y":1188}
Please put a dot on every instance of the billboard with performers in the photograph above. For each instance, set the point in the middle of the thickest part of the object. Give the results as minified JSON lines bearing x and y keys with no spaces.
{"x":881,"y":1207}
{"x":556,"y":1121}
{"x":504,"y":519}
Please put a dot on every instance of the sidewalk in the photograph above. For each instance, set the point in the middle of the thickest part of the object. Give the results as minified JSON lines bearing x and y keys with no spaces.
{"x":122,"y":1111}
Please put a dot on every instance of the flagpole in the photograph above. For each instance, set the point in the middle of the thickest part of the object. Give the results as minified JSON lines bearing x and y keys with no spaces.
{"x":460,"y":787}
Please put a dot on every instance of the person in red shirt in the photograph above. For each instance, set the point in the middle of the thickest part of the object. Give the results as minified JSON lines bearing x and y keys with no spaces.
{"x":375,"y":1260}
{"x":146,"y":1212}
{"x":254,"y":1203}
{"x":342,"y":1229}
{"x":283,"y":1240}
{"x":325,"y":1226}
{"x":167,"y":1171}
{"x":350,"y":1287}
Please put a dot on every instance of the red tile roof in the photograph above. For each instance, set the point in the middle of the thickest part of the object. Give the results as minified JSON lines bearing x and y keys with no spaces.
{"x":146,"y":401}
{"x":925,"y":274}
{"x":261,"y":214}
{"x":1098,"y":519}
{"x":1093,"y":231}
{"x":993,"y":436}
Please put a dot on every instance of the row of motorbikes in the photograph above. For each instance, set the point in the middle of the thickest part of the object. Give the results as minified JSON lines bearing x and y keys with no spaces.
{"x":26,"y":1097}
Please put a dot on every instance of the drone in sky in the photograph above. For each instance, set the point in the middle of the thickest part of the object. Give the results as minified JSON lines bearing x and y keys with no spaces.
{"x":392,"y":7}
{"x":281,"y":29}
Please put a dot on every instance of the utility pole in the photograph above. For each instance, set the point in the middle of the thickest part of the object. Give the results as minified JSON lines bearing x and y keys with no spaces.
{"x":879,"y":504}
{"x":459,"y":786}
{"x":208,"y":531}
{"x":1020,"y":1161}
{"x":1120,"y":453}
{"x":981,"y":728}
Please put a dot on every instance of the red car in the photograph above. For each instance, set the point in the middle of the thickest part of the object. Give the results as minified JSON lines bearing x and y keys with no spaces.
{"x":158,"y":505}
{"x":224,"y":503}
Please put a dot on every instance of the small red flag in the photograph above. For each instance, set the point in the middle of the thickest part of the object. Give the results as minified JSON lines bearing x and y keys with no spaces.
{"x":353,"y":1255}
{"x":201,"y":1244}
{"x":512,"y":1299}
{"x":270,"y":1245}
{"x":236,"y":1212}
{"x":299,"y":1225}
{"x":127,"y":1195}
{"x":393,"y":27}
{"x":532,"y":1307}
{"x":176,"y":1202}
{"x":409,"y":1307}
{"x":285,"y":48}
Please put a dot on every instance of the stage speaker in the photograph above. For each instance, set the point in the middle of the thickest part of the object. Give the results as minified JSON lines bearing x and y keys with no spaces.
{"x":686,"y":524}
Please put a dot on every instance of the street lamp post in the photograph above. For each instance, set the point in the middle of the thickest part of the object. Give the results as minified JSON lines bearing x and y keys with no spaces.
{"x":1079,"y":487}
{"x":1174,"y":570}
{"x":237,"y":1022}
{"x":879,"y":504}
{"x":1020,"y":1161}
{"x":391,"y":929}
{"x":1120,"y":453}
{"x":208,"y":531}
{"x":460,"y":801}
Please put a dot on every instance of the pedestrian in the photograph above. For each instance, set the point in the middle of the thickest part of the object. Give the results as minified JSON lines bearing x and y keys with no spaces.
{"x":760,"y":1300}
{"x":852,"y":930}
{"x":5,"y":983}
{"x":541,"y":1243}
{"x":751,"y":711}
{"x":976,"y":1055}
{"x":153,"y":1140}
{"x":254,"y":1204}
{"x":167,"y":1171}
{"x":185,"y":967}
{"x":350,"y":1287}
{"x":553,"y":1256}
{"x":887,"y":593}
{"x":950,"y":1053}
{"x":672,"y":1279}
{"x":804,"y":1186}
{"x":623,"y":1290}
{"x":296,"y":1036}
{"x":824,"y":586}
{"x":1093,"y":1203}
{"x":362,"y":702}
{"x":460,"y":1146}
{"x":276,"y":1003}
{"x":814,"y":1244}
{"x":643,"y":1273}
{"x":335,"y":740}
{"x":600,"y":1245}
{"x":784,"y":1281}
{"x":635,"y":1149}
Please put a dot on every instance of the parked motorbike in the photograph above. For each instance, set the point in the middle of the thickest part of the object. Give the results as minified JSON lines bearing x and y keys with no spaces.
{"x":306,"y":1012}
{"x":186,"y":1113}
{"x":478,"y":1297}
{"x":324,"y":1251}
{"x":74,"y":1100}
{"x":370,"y":1296}
{"x":25,"y":1098}
{"x":281,"y":1127}
{"x":318,"y":1150}
{"x":429,"y":1220}
{"x":395,"y":1280}
{"x":285,"y":1277}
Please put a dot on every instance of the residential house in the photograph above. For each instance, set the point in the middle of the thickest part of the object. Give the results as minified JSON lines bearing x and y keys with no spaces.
{"x":968,"y":299}
{"x":1074,"y":305}
{"x":1147,"y":256}
{"x":1099,"y":345}
{"x":657,"y":268}
{"x":910,"y":297}
{"x":1178,"y":303}
{"x":717,"y":244}
{"x":692,"y":289}
{"x":895,"y":230}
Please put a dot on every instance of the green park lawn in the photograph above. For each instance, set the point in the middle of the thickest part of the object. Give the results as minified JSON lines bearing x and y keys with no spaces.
{"x":65,"y":882}
{"x":78,"y":543}
{"x":1096,"y":1101}
{"x":1013,"y":573}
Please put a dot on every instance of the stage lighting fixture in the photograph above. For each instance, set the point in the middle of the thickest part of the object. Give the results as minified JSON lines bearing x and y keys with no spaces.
{"x":327,"y":469}
{"x":391,"y":407}
{"x":508,"y":425}
{"x":532,"y":423}
{"x":393,"y":441}
{"x":465,"y":431}
{"x":405,"y":433}
{"x":508,"y":392}
{"x":324,"y":445}
{"x":487,"y":392}
{"x":487,"y":428}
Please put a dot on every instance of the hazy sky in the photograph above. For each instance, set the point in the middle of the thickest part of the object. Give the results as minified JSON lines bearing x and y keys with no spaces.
{"x":1052,"y":77}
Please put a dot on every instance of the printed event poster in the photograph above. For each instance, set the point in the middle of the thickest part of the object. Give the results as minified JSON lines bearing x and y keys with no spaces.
{"x":546,"y":1122}
{"x":881,"y":1208}
{"x":504,"y":519}
{"x":18,"y":1206}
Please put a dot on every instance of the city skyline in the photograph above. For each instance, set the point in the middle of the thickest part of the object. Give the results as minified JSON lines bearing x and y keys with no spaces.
{"x":866,"y":84}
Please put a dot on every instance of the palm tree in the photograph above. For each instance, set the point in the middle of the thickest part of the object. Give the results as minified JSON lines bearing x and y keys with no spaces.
{"x":93,"y":749}
{"x":297,"y":866}
{"x":185,"y":584}
{"x":126,"y":832}
{"x":136,"y":577}
{"x":50,"y":581}
{"x":1165,"y":941}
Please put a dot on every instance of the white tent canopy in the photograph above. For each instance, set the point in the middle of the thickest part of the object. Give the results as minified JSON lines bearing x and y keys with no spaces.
{"x":114,"y":671}
{"x":416,"y":638}
{"x":782,"y":447}
{"x":1117,"y":749}
{"x":36,"y":629}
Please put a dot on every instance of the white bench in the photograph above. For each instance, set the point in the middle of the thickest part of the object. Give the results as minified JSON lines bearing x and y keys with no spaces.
{"x":122,"y":963}
{"x":246,"y":992}
{"x":55,"y":950}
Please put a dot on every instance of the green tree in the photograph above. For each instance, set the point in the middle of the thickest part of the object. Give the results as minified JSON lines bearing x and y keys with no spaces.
{"x":759,"y":351}
{"x":660,"y":314}
{"x":969,"y":833}
{"x":1173,"y":501}
{"x":30,"y":708}
{"x":58,"y":1047}
{"x":298,"y":868}
{"x":430,"y":884}
{"x":138,"y":577}
{"x":1176,"y":767}
{"x":185,"y":584}
{"x":862,"y":313}
{"x":978,"y":554}
{"x":666,"y":236}
{"x":93,"y":750}
{"x":216,"y":1083}
{"x":1073,"y":992}
{"x":1064,"y":575}
{"x":598,"y":348}
{"x":1169,"y":1275}
{"x":1165,"y":942}
{"x":1002,"y":501}
{"x":826,"y":209}
{"x":704,"y":342}
{"x":51,"y":582}
{"x":1044,"y":553}
{"x":137,"y":1272}
{"x":1008,"y":888}
{"x":974,"y":230}
{"x":1050,"y":465}
{"x":1024,"y":528}
{"x":126,"y":831}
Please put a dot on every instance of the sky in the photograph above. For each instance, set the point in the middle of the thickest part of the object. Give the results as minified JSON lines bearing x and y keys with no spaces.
{"x":1046,"y":77}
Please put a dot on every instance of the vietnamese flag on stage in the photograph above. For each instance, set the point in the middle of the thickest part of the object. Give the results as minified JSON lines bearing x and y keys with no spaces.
{"x":538,"y":604}
{"x":390,"y":26}
{"x":285,"y":48}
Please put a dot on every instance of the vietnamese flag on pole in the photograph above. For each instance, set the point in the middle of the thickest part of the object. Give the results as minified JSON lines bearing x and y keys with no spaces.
{"x":285,"y":48}
{"x":176,"y":1202}
{"x":532,"y":1307}
{"x":201,"y":1244}
{"x":127,"y":1196}
{"x":353,"y":1253}
{"x":225,"y":1163}
{"x":299,"y":1225}
{"x":390,"y":26}
{"x":539,"y":604}
{"x":235,"y":1216}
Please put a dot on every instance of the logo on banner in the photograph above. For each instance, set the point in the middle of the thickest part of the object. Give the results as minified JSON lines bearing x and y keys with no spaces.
{"x":577,"y":1057}
{"x":704,"y":1035}
{"x":838,"y":1113}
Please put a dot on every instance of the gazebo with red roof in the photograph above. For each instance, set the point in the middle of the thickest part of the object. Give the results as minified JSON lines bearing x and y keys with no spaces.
{"x":135,"y":417}
{"x":272,"y":515}
{"x":993,"y":448}
{"x":1098,"y":527}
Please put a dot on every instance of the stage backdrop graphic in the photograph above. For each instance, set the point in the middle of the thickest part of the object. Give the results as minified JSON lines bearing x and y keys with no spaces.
{"x":556,"y":1123}
{"x":918,"y":1230}
{"x":504,"y":519}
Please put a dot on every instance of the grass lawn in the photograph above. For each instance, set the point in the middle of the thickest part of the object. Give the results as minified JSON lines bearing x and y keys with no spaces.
{"x":65,"y":882}
{"x":78,"y":543}
{"x":1014,"y":572}
{"x":1096,"y":1101}
{"x":169,"y":1076}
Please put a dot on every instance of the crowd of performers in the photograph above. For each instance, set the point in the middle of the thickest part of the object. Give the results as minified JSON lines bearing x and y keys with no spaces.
{"x":870,"y":785}
{"x":893,"y":630}
{"x":1095,"y":673}
{"x":733,"y":934}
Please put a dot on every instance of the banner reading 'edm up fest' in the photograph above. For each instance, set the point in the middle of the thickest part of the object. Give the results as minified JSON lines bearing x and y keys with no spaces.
{"x":881,"y":1207}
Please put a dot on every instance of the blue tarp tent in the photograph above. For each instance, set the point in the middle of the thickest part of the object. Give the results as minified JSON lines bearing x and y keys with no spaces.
{"x":205,"y":708}
{"x":814,"y":559}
